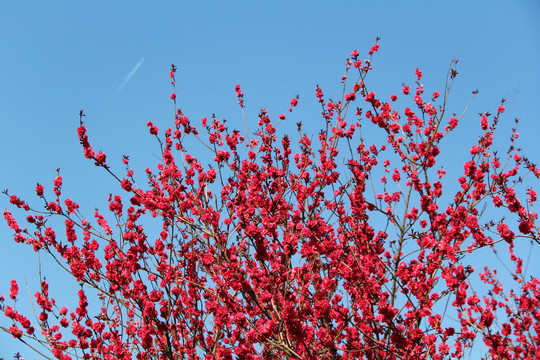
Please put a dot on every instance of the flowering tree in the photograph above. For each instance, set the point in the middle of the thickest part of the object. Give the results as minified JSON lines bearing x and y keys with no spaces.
{"x":295,"y":246}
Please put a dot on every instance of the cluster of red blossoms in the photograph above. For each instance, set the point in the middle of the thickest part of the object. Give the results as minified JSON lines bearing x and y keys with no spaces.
{"x":325,"y":247}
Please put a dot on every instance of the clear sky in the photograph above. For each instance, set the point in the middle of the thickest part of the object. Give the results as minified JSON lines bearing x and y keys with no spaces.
{"x":61,"y":56}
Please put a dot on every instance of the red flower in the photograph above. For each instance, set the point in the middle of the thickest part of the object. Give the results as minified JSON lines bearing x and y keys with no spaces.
{"x":101,"y":158}
{"x":221,"y":156}
{"x":39,"y":190}
{"x":153,"y":129}
{"x":17,"y":333}
{"x":484,"y":122}
{"x":525,"y":226}
{"x":126,"y":185}
{"x":71,"y":206}
{"x":505,"y":233}
{"x":452,"y":122}
{"x":406,"y":90}
{"x":532,"y":195}
{"x":14,"y":289}
{"x":373,"y":49}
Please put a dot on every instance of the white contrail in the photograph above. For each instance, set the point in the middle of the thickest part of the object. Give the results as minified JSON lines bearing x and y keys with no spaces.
{"x":130,"y":75}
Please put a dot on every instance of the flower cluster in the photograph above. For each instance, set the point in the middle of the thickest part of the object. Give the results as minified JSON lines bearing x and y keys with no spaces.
{"x":306,"y":247}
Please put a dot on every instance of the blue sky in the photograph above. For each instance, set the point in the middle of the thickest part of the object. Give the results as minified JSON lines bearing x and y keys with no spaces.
{"x":58,"y":57}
